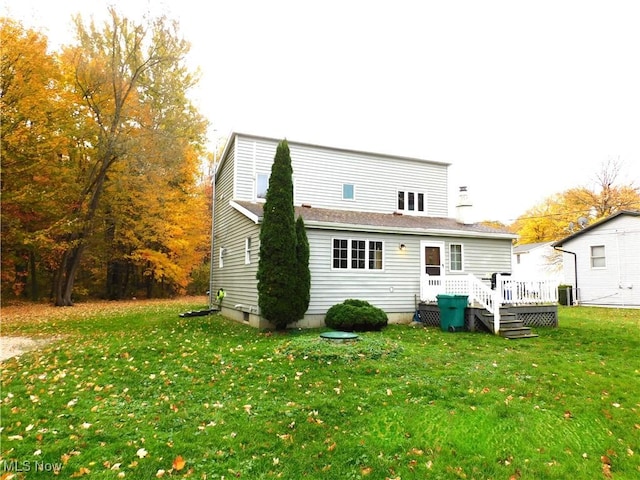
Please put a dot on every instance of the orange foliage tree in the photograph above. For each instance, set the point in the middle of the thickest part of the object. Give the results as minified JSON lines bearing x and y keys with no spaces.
{"x":101,"y":149}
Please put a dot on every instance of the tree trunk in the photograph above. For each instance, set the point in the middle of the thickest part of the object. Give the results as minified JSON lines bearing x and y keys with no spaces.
{"x":33,"y":271}
{"x":66,"y":276}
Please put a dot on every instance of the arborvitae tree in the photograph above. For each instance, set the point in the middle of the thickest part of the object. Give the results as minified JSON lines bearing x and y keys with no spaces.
{"x":302,"y":286}
{"x":277,"y":269}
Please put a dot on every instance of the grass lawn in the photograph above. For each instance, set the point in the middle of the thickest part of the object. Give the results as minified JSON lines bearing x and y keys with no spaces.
{"x":133,"y":391}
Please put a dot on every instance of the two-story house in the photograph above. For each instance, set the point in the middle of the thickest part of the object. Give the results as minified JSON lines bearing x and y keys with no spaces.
{"x":377,"y":225}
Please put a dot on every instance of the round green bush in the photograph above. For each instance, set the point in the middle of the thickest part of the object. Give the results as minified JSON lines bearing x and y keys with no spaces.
{"x":355,"y":315}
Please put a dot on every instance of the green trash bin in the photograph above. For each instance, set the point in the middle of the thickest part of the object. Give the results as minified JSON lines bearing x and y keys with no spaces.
{"x":452,"y":312}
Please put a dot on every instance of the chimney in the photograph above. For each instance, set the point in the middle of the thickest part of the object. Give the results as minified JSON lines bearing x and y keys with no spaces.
{"x":464,"y":207}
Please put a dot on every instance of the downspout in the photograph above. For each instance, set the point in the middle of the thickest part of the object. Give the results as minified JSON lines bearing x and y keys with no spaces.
{"x":575,"y":265}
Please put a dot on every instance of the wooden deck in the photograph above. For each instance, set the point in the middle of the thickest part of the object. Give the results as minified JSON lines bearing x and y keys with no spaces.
{"x":512,"y":318}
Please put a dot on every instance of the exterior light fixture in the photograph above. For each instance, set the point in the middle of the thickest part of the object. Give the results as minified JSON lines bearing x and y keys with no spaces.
{"x":403,"y":247}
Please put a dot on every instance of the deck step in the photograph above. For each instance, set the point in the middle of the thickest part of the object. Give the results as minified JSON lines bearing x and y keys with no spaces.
{"x":516,"y":332}
{"x":518,"y":337}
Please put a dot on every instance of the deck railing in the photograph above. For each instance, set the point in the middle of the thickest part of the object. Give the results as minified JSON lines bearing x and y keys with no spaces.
{"x":508,"y":291}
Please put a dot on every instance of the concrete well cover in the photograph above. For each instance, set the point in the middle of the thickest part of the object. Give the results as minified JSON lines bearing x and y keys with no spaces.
{"x":335,"y":335}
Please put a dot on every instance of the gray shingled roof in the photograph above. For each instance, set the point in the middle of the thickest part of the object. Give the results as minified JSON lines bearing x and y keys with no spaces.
{"x":349,"y":219}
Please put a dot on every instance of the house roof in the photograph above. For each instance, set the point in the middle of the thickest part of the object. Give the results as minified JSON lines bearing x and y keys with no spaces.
{"x":633,"y":213}
{"x":527,"y":247}
{"x":233,"y":135}
{"x":379,"y":222}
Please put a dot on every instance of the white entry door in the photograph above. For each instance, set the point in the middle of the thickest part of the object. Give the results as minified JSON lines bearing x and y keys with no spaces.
{"x":432,"y":273}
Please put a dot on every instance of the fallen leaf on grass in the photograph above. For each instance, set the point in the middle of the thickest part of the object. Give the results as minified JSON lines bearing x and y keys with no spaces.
{"x":80,"y":473}
{"x":178,"y":463}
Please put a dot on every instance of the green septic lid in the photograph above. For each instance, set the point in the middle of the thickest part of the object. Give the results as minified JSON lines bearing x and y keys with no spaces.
{"x":339,"y":335}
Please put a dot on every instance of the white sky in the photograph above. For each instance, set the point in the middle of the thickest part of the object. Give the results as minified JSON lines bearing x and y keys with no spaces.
{"x":524,"y":98}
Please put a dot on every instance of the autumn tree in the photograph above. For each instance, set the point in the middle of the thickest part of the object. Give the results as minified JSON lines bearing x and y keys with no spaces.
{"x":560,"y":214}
{"x":38,"y":179}
{"x":131,"y":84}
{"x":277,"y":268}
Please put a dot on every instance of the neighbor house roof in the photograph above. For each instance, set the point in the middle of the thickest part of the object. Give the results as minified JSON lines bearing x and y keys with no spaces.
{"x":378,"y":222}
{"x":633,"y":213}
{"x":527,"y":247}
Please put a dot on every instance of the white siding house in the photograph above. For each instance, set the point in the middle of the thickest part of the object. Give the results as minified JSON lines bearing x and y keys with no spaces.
{"x":537,"y":260}
{"x":391,"y":210}
{"x":602,"y":261}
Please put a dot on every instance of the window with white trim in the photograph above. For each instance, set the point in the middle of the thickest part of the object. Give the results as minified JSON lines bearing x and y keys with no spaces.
{"x":411,"y":202}
{"x":357,"y":254}
{"x":262,"y":185}
{"x":348,"y":191}
{"x":247,"y":250}
{"x":221,"y":257}
{"x":455,"y":257}
{"x":598,"y":259}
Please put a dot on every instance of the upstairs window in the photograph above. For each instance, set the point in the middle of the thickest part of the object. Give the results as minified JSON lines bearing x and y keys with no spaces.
{"x":598,"y":259}
{"x":262,"y":185}
{"x":411,"y":202}
{"x":358,"y":254}
{"x":348,"y":191}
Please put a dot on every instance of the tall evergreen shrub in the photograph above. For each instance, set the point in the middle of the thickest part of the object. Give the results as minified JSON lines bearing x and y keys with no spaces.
{"x":302,"y":286}
{"x":277,"y":268}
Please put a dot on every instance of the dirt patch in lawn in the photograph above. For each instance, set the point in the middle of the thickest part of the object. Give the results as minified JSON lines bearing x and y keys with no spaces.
{"x":16,"y":346}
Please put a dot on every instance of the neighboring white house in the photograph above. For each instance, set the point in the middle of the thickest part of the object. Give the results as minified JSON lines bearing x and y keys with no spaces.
{"x":537,"y":260}
{"x":602,"y":261}
{"x":377,"y":225}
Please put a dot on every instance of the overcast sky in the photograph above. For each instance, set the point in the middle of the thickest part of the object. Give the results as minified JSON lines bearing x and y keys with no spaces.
{"x":524,"y":98}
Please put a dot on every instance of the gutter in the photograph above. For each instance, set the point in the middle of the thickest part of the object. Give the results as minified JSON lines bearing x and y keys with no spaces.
{"x":575,"y":265}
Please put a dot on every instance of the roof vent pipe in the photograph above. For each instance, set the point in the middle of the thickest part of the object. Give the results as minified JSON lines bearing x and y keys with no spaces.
{"x":464,"y":207}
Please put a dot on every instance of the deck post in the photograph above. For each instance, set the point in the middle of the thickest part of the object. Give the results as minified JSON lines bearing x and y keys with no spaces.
{"x":497,"y":302}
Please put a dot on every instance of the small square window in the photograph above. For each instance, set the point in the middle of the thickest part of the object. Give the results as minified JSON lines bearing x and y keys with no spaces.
{"x":348,"y":191}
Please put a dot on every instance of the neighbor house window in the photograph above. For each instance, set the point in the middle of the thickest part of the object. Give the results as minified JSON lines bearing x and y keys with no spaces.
{"x":455,"y":257}
{"x":357,"y":254}
{"x":411,"y":202}
{"x":262,"y":185}
{"x":221,"y":257}
{"x":597,"y":257}
{"x":348,"y":191}
{"x":247,"y":250}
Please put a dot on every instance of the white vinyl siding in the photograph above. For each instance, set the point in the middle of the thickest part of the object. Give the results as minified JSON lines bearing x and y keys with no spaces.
{"x":320,"y":173}
{"x":231,"y":231}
